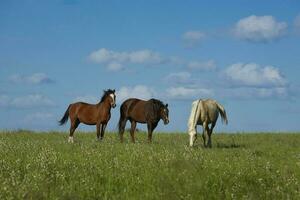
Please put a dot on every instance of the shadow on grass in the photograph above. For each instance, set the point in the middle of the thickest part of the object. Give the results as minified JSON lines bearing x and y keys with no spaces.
{"x":219,"y":146}
{"x":229,"y":146}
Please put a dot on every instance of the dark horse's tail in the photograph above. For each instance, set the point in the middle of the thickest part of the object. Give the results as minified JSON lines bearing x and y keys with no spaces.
{"x":64,"y":119}
{"x":122,"y":120}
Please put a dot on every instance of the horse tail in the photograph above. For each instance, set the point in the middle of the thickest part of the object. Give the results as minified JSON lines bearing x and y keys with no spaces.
{"x":64,"y":119}
{"x":223,"y":113}
{"x":123,"y":111}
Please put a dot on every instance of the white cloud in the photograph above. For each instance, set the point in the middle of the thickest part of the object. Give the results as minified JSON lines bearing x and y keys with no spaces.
{"x":29,"y":101}
{"x":253,"y":81}
{"x":144,"y":56}
{"x":38,"y":117}
{"x":259,"y":28}
{"x":34,"y":100}
{"x":87,"y":99}
{"x":206,"y":65}
{"x":36,"y":78}
{"x":255,"y":93}
{"x":193,"y":38}
{"x":114,"y":60}
{"x":175,"y":60}
{"x":114,"y":66}
{"x":139,"y":91}
{"x":179,"y":77}
{"x":297,"y":23}
{"x":188,"y":93}
{"x":254,"y":75}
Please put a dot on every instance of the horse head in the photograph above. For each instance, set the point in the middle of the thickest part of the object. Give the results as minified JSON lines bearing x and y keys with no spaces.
{"x":164,"y":113}
{"x":112,"y":97}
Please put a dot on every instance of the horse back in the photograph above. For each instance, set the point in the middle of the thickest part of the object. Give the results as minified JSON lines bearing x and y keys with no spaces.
{"x":85,"y":112}
{"x":135,"y":109}
{"x":82,"y":105}
{"x":209,"y":110}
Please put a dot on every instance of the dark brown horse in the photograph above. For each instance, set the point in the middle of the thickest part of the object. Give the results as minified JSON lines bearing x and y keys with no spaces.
{"x":90,"y":114}
{"x":136,"y":110}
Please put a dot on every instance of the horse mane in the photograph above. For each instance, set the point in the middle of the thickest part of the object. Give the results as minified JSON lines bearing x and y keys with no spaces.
{"x":153,"y":106}
{"x":157,"y":104}
{"x":106,"y":93}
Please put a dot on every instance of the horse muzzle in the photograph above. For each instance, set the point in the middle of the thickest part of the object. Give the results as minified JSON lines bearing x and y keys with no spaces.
{"x":166,"y":121}
{"x":114,"y":105}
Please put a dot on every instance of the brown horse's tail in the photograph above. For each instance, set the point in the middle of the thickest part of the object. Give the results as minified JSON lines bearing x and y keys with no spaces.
{"x":122,"y":120}
{"x":223,"y":113}
{"x":64,"y":119}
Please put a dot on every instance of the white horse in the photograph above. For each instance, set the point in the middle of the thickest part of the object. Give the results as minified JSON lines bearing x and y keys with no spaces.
{"x":205,"y":112}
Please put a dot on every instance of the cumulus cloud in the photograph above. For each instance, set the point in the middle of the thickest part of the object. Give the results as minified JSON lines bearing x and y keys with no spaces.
{"x":34,"y":100}
{"x":114,"y":60}
{"x":255,"y":93}
{"x":184,"y":93}
{"x":205,"y":65}
{"x":38,"y":116}
{"x":175,"y":60}
{"x":29,"y":101}
{"x":114,"y":66}
{"x":35,"y":79}
{"x":253,"y":74}
{"x":259,"y":29}
{"x":297,"y":23}
{"x":254,"y":81}
{"x":178,"y":77}
{"x":138,"y":91}
{"x":193,"y":38}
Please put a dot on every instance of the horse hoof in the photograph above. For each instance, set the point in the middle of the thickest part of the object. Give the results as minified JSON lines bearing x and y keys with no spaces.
{"x":71,"y":140}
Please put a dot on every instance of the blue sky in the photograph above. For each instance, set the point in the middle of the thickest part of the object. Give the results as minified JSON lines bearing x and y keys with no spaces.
{"x":244,"y":54}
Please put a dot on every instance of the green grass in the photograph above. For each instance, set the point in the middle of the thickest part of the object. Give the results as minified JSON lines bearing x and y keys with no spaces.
{"x":239,"y":166}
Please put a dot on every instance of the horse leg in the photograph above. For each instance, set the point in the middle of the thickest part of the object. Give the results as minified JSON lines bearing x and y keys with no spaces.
{"x":102,"y":131}
{"x":122,"y":129}
{"x":209,"y":134}
{"x":74,"y":125}
{"x":98,"y":127}
{"x":151,"y":127}
{"x":205,"y":130}
{"x":195,"y":138}
{"x":203,"y":136}
{"x":132,"y":129}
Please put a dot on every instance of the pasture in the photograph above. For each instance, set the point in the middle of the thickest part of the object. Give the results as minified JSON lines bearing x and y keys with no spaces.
{"x":238,"y":166}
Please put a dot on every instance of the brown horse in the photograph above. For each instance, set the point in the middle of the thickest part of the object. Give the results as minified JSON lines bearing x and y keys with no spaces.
{"x":90,"y":114}
{"x":136,"y":110}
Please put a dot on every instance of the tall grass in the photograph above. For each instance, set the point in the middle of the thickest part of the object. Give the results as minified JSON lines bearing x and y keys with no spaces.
{"x":239,"y":166}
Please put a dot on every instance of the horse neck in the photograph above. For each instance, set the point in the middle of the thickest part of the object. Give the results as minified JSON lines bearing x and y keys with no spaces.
{"x":105,"y":105}
{"x":156,"y":115}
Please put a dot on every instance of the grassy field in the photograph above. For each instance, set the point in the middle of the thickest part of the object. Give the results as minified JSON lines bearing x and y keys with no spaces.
{"x":239,"y":166}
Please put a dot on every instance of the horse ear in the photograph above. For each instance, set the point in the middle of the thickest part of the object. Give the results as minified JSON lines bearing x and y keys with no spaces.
{"x":114,"y":90}
{"x":166,"y":105}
